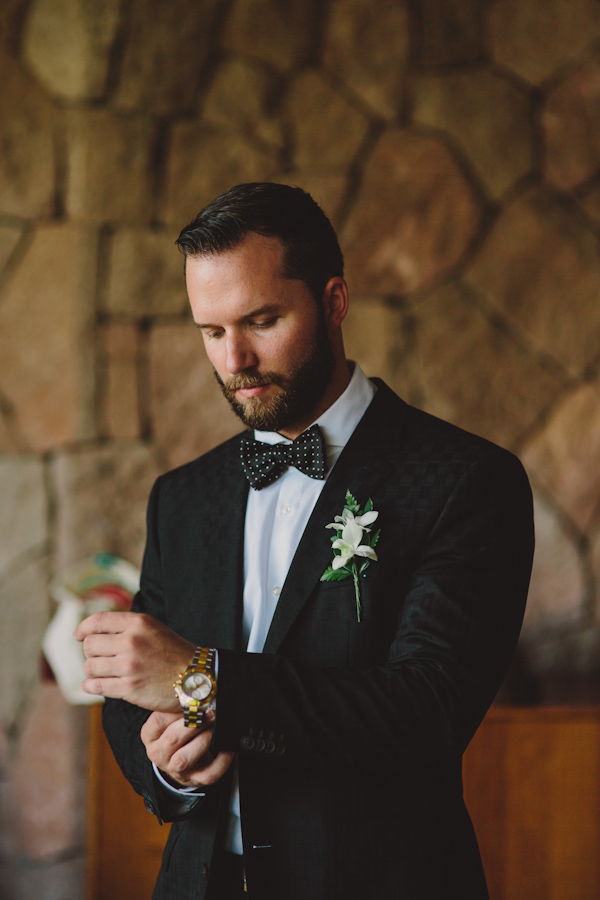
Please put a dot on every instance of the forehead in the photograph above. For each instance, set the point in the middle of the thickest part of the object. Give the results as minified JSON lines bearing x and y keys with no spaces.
{"x":256,"y":260}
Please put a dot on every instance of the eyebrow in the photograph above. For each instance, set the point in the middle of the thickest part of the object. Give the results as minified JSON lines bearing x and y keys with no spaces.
{"x":261,"y":311}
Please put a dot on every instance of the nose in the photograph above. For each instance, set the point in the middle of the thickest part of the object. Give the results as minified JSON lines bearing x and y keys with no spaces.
{"x":239,"y":354}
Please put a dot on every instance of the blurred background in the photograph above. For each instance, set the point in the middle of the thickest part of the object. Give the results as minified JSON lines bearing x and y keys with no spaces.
{"x":455,"y":144}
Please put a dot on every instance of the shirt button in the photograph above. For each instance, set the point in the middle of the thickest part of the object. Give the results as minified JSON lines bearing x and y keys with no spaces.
{"x":286,"y":510}
{"x":276,"y":591}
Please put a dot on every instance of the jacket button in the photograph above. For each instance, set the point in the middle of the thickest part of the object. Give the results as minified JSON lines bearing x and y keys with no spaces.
{"x":260,"y":743}
{"x":247,"y":743}
{"x":205,"y":870}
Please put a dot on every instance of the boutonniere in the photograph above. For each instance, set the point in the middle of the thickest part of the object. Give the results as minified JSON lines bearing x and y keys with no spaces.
{"x":353,"y":538}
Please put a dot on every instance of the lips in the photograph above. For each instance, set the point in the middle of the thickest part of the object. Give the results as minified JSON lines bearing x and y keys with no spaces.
{"x":255,"y":391}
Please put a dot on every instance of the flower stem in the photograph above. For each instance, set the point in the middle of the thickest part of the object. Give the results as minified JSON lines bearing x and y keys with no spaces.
{"x":356,"y":590}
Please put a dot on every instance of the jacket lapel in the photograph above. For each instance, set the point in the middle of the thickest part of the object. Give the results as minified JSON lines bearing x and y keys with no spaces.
{"x":361,"y":467}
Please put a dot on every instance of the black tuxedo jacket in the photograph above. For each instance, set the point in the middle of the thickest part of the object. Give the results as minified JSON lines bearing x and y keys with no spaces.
{"x":349,"y":735}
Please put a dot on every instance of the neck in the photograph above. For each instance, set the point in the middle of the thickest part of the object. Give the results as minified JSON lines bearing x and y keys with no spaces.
{"x":336,"y":387}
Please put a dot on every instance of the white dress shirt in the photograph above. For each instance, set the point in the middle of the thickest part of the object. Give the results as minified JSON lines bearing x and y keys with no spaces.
{"x":276,"y":517}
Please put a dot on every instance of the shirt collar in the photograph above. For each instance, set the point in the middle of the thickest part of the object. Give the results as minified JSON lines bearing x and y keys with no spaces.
{"x":339,"y":421}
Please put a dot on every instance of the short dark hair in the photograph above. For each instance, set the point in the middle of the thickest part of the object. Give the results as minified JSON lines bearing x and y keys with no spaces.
{"x":311,"y":249}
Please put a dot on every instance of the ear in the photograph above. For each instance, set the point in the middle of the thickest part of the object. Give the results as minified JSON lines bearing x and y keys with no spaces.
{"x":335,"y":301}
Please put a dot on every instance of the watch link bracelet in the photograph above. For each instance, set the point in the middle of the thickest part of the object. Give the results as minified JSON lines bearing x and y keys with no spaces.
{"x":196,"y":688}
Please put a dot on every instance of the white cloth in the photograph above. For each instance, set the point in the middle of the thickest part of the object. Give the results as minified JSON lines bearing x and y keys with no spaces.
{"x":276,"y":517}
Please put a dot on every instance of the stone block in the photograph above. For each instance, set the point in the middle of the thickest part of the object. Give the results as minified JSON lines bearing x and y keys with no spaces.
{"x":571,"y":128}
{"x":49,"y":774}
{"x":279,"y":33}
{"x":23,"y":511}
{"x":11,"y":13}
{"x":10,"y":236}
{"x":189,"y":413}
{"x":471,"y":373}
{"x":378,"y":336}
{"x":590,"y":203}
{"x":488,"y":115}
{"x":109,"y":167}
{"x":121,"y":401}
{"x":328,"y":130}
{"x":241,"y":99}
{"x":451,"y":32}
{"x":564,"y":456}
{"x":558,"y":590}
{"x":25,"y":611}
{"x":367,"y":47}
{"x":145,"y":273}
{"x":28,"y":159}
{"x":101,"y":495}
{"x":326,"y":188}
{"x":67,"y":44}
{"x":165,"y":54}
{"x":203,"y":162}
{"x":541,"y":267}
{"x":414,"y":218}
{"x":535,"y":38}
{"x":46,"y":358}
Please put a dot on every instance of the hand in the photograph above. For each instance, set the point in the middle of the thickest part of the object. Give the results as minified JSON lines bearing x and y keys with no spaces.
{"x":182,"y":753}
{"x":134,"y":657}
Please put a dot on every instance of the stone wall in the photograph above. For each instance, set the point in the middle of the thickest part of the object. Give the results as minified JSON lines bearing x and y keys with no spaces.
{"x":455,"y":145}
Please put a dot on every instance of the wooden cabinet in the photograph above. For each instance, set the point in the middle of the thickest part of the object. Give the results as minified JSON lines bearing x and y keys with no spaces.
{"x":532,"y":785}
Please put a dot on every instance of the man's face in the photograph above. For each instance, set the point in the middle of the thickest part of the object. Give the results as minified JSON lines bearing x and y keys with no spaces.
{"x":265,"y":335}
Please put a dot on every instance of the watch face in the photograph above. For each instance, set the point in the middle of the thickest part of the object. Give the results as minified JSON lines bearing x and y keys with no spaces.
{"x":197,"y":685}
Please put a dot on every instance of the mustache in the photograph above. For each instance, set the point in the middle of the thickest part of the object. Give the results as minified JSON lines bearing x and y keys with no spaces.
{"x":247,"y":380}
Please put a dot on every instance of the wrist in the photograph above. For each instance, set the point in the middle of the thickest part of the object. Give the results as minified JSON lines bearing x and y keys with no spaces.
{"x":196,"y":687}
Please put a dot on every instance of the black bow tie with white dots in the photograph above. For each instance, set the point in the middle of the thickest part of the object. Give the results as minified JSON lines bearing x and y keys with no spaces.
{"x":264,"y":463}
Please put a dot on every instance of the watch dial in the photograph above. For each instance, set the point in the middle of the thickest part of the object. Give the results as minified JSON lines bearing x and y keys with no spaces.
{"x":197,"y":685}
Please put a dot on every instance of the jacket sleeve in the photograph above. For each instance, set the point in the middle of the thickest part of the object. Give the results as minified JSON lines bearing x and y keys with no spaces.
{"x":458,"y":623}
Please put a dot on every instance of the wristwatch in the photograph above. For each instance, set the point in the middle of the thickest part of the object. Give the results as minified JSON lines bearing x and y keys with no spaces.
{"x":196,"y":688}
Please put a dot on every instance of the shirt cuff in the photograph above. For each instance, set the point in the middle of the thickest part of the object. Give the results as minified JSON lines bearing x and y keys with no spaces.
{"x":178,"y":791}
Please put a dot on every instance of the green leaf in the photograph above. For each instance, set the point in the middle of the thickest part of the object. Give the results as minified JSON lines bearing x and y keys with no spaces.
{"x":351,"y":503}
{"x":375,"y":538}
{"x":331,"y":574}
{"x":368,"y":505}
{"x":364,"y":566}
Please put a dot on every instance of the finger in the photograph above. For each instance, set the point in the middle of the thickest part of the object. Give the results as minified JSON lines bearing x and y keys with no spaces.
{"x":189,"y":750}
{"x":104,"y":687}
{"x":103,"y":623}
{"x":211,"y":773}
{"x":156,"y":724}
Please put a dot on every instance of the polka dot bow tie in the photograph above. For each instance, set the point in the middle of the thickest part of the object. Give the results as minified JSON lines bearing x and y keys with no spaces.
{"x":264,"y":463}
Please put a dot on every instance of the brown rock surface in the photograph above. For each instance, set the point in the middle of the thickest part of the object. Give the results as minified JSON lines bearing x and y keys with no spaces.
{"x":557,"y":591}
{"x":565,"y":457}
{"x":9,"y":238}
{"x":24,"y":509}
{"x":25,"y":613}
{"x":278,"y":33}
{"x":452,"y":31}
{"x":67,"y":44}
{"x":590,"y":203}
{"x":27,"y":160}
{"x":240,"y":98}
{"x":488,"y":115}
{"x":326,"y":188}
{"x":145,"y":273}
{"x":472,"y":374}
{"x":377,"y":337}
{"x":46,"y":360}
{"x":414,"y":218}
{"x":541,"y":267}
{"x":109,"y":166}
{"x":164,"y":55}
{"x":121,"y":387}
{"x":101,"y":494}
{"x":367,"y":48}
{"x":535,"y":37}
{"x":571,"y":123}
{"x":189,"y":413}
{"x":328,"y":131}
{"x":203,"y":162}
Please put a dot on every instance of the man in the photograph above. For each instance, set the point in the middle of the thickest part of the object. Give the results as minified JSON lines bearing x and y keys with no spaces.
{"x":332,"y":759}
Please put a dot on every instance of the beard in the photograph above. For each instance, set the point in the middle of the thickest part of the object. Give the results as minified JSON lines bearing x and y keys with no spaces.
{"x":301,"y":388}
